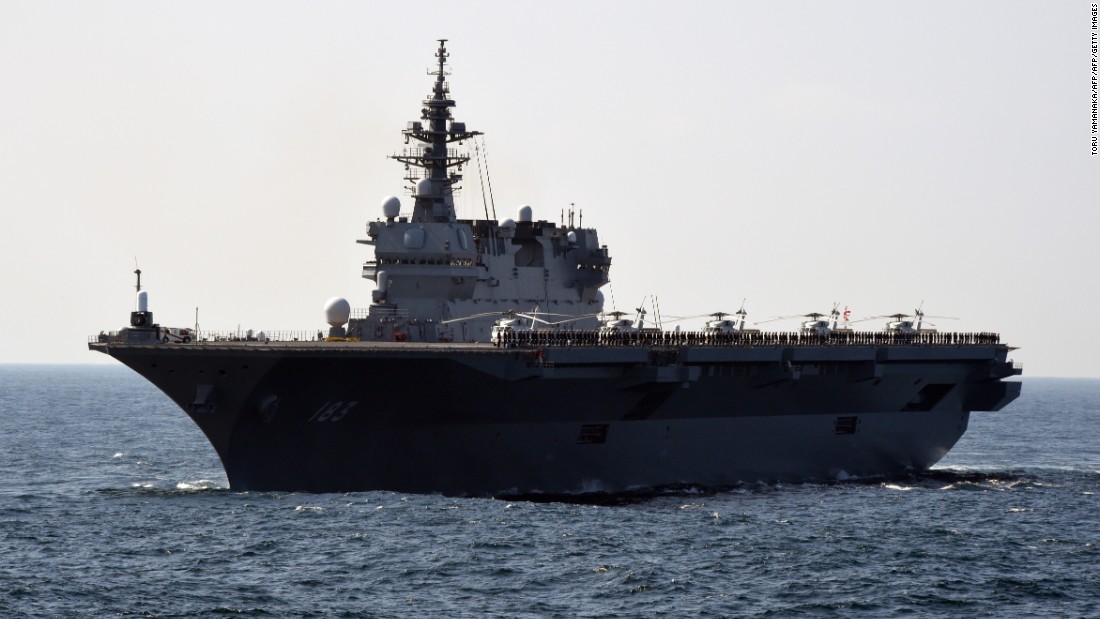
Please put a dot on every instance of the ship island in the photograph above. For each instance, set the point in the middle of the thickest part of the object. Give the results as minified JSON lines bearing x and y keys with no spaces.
{"x":485,"y":365}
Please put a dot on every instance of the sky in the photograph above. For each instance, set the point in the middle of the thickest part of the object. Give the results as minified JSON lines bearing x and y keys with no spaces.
{"x":786,"y":155}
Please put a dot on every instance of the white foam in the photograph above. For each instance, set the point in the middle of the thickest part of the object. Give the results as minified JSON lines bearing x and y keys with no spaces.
{"x":198,"y":484}
{"x":898,"y":487}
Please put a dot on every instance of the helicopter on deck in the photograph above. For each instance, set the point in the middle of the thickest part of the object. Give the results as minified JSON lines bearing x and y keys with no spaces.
{"x":507,"y":323}
{"x":818,"y":324}
{"x":614,"y":322}
{"x":901,"y":324}
{"x":720,"y":325}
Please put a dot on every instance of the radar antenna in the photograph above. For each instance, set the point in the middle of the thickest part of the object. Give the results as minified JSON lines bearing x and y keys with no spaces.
{"x":434,"y":186}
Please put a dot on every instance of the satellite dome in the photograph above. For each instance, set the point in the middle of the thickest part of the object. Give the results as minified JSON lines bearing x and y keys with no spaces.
{"x":508,"y":223}
{"x":391,"y":207}
{"x":525,"y":213}
{"x":424,"y":188}
{"x":337,"y":311}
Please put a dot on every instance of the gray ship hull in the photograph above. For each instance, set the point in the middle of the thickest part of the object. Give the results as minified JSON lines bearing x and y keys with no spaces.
{"x":568,"y":402}
{"x":472,"y":419}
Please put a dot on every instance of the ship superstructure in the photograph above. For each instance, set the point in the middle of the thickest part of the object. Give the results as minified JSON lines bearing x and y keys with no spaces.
{"x":439,"y":278}
{"x":482,"y":368}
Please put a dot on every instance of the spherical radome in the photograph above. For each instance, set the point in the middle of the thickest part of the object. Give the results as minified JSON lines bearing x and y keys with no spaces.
{"x":391,"y":207}
{"x":337,"y":311}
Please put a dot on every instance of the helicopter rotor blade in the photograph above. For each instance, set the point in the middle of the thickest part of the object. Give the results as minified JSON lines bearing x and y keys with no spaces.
{"x":574,"y":319}
{"x":472,"y":317}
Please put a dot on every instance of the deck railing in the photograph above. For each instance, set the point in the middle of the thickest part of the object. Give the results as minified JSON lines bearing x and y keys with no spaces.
{"x":701,"y":338}
{"x":117,"y":337}
{"x":535,"y":339}
{"x":361,"y":313}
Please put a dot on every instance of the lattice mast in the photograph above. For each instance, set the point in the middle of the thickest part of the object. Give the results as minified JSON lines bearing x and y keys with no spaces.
{"x":434,"y":185}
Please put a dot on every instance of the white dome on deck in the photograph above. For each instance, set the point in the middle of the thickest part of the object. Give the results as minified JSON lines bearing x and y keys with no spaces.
{"x":391,"y":207}
{"x":337,"y":311}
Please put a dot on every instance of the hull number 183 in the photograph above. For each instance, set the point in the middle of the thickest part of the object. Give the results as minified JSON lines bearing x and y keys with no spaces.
{"x":332,"y":411}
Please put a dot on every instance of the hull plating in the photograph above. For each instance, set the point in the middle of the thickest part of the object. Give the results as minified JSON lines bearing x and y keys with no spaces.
{"x":483,"y":421}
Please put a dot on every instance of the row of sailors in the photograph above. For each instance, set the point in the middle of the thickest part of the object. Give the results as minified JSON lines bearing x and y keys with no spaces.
{"x":737,"y":338}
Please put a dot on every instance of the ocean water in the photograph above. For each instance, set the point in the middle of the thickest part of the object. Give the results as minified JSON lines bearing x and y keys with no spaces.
{"x":112,"y":504}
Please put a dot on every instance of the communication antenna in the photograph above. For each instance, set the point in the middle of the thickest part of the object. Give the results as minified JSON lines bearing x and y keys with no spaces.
{"x":488,"y":181}
{"x":481,"y":177}
{"x":137,"y":287}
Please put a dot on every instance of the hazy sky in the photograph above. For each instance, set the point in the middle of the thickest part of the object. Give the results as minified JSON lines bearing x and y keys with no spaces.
{"x":875,"y":154}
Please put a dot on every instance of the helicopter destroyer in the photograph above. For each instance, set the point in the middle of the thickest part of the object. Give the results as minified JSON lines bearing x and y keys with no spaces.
{"x":449,"y":383}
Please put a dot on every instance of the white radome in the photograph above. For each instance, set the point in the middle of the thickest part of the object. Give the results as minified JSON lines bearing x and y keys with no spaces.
{"x":337,"y":311}
{"x":391,"y":207}
{"x":424,"y":187}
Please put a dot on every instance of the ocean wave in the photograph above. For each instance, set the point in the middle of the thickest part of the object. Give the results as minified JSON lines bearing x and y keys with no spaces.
{"x":166,"y":489}
{"x":200,"y":485}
